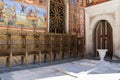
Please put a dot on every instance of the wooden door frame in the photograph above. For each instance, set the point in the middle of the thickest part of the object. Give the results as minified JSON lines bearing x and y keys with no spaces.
{"x":94,"y":37}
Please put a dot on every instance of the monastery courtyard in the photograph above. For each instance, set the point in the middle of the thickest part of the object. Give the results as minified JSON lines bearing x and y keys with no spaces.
{"x":84,"y":69}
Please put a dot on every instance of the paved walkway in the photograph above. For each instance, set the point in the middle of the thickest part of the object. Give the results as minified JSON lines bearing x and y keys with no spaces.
{"x":76,"y":70}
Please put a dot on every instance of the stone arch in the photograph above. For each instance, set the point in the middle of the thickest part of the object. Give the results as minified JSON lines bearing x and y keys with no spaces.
{"x":108,"y":18}
{"x":90,"y":27}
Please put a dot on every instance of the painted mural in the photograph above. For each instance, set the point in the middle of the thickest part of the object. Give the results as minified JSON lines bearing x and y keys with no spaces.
{"x":74,"y":15}
{"x":23,"y":13}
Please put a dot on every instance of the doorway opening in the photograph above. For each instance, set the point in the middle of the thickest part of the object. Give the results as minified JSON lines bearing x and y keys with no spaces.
{"x":103,"y":38}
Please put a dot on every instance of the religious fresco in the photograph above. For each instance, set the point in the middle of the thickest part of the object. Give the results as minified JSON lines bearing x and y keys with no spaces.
{"x":74,"y":15}
{"x":23,"y":13}
{"x":77,"y":17}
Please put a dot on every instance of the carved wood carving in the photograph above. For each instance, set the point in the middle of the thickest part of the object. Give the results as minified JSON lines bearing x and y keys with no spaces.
{"x":57,"y":16}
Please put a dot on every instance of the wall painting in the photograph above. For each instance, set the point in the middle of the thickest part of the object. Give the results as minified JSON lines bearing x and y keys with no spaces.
{"x":28,"y":14}
{"x":74,"y":15}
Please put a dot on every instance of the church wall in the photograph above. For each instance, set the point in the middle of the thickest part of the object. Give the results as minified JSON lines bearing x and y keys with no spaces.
{"x":109,"y":11}
{"x":20,"y":18}
{"x":73,"y":15}
{"x":24,"y":28}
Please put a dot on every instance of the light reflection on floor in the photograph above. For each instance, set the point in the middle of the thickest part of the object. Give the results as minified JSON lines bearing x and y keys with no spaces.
{"x":114,"y":76}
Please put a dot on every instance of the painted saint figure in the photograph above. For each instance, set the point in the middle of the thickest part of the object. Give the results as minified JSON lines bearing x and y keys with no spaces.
{"x":1,"y":12}
{"x":23,"y":8}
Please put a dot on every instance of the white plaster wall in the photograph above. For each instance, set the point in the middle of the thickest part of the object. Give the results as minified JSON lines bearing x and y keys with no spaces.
{"x":109,"y":11}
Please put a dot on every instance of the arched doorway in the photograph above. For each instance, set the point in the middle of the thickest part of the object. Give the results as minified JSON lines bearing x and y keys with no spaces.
{"x":103,"y":38}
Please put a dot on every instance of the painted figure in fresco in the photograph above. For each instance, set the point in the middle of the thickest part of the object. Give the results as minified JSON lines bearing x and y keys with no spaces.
{"x":35,"y":13}
{"x":23,"y":12}
{"x":1,"y":10}
{"x":13,"y":14}
{"x":6,"y":16}
{"x":35,"y":18}
{"x":23,"y":8}
{"x":29,"y":14}
{"x":32,"y":15}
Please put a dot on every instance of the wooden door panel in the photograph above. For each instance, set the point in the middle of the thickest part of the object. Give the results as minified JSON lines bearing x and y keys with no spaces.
{"x":103,"y":38}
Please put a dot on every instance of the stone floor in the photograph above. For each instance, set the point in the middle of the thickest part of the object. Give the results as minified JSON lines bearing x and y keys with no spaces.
{"x":84,"y":69}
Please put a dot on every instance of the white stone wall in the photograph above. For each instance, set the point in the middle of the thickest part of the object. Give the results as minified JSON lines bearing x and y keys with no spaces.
{"x":109,"y":11}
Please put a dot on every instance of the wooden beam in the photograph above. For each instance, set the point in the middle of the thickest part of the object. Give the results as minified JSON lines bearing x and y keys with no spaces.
{"x":39,"y":57}
{"x":26,"y":58}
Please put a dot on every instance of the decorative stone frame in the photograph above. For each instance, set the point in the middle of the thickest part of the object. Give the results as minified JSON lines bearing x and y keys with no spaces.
{"x":94,"y":14}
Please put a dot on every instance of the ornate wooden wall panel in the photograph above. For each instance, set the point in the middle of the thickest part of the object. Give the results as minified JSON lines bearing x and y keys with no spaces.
{"x":18,"y":47}
{"x":3,"y":45}
{"x":57,"y":16}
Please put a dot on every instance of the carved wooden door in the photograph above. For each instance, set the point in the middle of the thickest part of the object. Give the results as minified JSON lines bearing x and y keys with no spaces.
{"x":103,"y":38}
